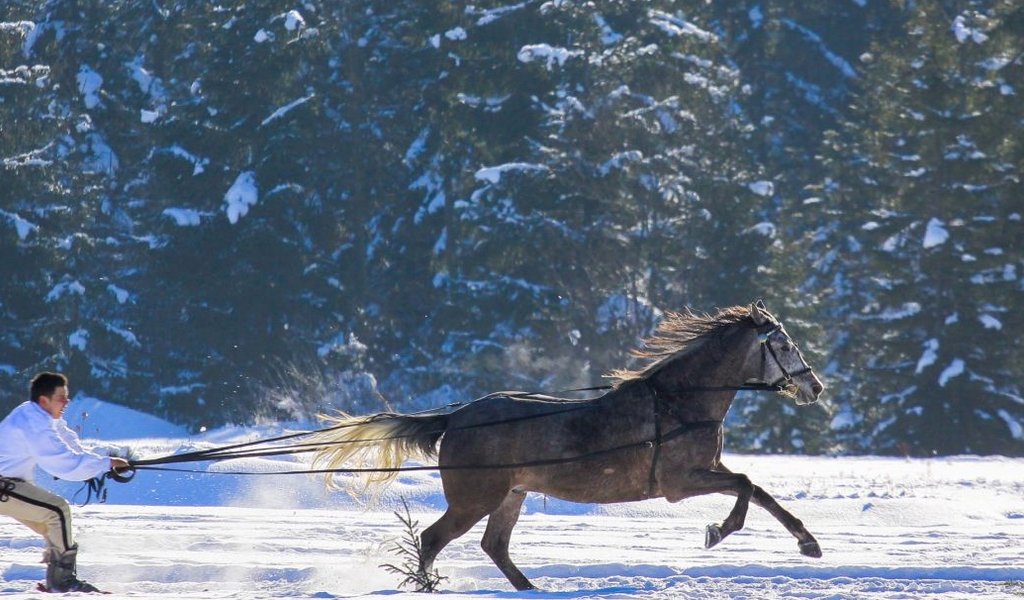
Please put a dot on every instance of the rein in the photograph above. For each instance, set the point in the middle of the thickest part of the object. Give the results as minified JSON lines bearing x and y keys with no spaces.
{"x":246,"y":450}
{"x":234,"y":450}
{"x":250,"y":449}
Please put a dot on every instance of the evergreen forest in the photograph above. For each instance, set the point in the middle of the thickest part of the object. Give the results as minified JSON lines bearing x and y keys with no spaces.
{"x":243,"y":211}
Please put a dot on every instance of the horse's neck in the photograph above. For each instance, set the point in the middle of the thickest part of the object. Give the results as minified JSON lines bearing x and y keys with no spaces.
{"x":718,"y":363}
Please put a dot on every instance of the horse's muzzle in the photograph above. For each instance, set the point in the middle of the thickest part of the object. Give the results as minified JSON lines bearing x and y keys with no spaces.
{"x":809,"y":388}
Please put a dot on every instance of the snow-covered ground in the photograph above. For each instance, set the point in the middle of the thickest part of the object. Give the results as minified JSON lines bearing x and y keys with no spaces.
{"x":889,"y":528}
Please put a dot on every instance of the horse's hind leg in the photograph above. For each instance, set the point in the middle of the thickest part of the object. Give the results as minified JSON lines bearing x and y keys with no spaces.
{"x":497,"y":536}
{"x":808,"y":545}
{"x":722,"y":482}
{"x":454,"y":523}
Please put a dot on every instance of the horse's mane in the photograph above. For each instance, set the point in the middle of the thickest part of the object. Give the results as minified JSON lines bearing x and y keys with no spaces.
{"x":677,"y":333}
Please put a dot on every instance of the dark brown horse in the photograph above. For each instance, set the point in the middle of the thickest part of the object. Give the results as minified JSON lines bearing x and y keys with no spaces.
{"x":656,"y":434}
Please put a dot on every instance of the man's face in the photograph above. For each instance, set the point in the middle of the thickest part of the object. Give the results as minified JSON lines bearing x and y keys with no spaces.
{"x":55,"y":403}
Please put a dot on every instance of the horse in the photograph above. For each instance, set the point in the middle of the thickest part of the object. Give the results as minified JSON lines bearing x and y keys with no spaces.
{"x":656,"y":434}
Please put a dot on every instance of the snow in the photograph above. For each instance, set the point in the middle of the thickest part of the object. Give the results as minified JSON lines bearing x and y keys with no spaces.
{"x":183,"y":217}
{"x":101,"y":157}
{"x":764,"y":228}
{"x":954,"y":370}
{"x":619,"y":159}
{"x":417,"y":147}
{"x":908,"y":309}
{"x":120,"y":293}
{"x":21,"y":225}
{"x":675,"y":26}
{"x":456,"y":34}
{"x":32,"y":158}
{"x":844,"y":419}
{"x":1007,"y":272}
{"x":890,"y":528}
{"x":837,"y":61}
{"x":929,"y":356}
{"x":89,"y":84}
{"x":20,"y":27}
{"x":964,"y":32}
{"x":242,"y":194}
{"x":547,"y":54}
{"x":990,"y":322}
{"x":293,"y":20}
{"x":130,"y":338}
{"x":625,"y":310}
{"x":64,"y":288}
{"x":344,"y":344}
{"x":280,"y":112}
{"x":434,"y":199}
{"x":935,"y":234}
{"x":608,"y":35}
{"x":198,"y":164}
{"x":762,"y":188}
{"x":493,"y":175}
{"x":1016,"y":428}
{"x":756,"y":17}
{"x":79,"y":339}
{"x":490,"y":15}
{"x":151,"y":86}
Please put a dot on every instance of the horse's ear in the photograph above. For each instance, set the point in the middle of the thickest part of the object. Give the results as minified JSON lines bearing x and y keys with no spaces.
{"x":758,"y":313}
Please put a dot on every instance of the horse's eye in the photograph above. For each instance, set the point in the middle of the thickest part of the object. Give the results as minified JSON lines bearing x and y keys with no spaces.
{"x":787,"y":347}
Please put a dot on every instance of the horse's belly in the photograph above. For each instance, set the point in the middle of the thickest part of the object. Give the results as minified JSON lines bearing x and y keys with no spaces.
{"x":602,"y":484}
{"x":594,"y":497}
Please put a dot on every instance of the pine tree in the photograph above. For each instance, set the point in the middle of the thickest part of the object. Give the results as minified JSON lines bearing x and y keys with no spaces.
{"x":72,"y":257}
{"x":936,"y":155}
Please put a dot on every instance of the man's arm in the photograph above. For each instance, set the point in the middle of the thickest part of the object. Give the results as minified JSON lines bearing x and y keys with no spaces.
{"x":67,"y":461}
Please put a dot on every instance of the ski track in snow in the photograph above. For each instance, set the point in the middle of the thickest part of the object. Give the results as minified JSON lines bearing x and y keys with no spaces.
{"x":889,"y":529}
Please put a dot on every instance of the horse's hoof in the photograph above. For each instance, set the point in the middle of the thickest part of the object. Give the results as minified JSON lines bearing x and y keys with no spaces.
{"x":810,"y":548}
{"x":712,"y":536}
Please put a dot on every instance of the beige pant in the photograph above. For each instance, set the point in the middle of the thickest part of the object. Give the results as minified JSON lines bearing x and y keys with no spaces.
{"x":43,"y":512}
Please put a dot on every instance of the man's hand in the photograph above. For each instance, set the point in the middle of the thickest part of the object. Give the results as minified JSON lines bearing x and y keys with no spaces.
{"x":118,"y":464}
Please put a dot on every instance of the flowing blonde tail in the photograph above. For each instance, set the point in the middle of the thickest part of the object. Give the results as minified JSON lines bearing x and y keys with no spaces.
{"x":383,"y":441}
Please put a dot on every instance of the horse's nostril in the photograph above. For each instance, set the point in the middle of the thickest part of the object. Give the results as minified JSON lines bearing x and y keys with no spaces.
{"x":817,"y":388}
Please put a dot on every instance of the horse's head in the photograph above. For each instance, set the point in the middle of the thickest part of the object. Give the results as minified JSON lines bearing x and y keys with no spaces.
{"x":782,"y":363}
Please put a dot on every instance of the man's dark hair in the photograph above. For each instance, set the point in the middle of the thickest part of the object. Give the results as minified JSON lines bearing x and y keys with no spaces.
{"x":45,"y":383}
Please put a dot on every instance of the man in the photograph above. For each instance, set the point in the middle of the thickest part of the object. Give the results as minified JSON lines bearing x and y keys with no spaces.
{"x":35,"y":434}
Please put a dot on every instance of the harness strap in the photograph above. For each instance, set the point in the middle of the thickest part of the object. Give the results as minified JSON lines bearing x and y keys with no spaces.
{"x":661,"y":409}
{"x":6,"y":487}
{"x":97,"y":486}
{"x":652,"y":477}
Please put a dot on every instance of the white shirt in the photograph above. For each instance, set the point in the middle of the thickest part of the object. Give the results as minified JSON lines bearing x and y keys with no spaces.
{"x":30,"y":437}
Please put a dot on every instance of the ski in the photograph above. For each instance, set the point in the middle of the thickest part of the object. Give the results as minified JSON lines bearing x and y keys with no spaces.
{"x":41,"y":587}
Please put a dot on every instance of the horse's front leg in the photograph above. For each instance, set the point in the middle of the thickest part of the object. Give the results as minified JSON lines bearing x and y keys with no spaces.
{"x":805,"y":541}
{"x":705,"y":481}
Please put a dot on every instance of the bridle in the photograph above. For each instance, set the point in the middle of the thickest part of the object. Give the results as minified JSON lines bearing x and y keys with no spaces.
{"x":764,"y":335}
